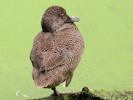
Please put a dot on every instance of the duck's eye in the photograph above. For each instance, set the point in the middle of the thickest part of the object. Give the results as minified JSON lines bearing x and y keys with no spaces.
{"x":62,"y":14}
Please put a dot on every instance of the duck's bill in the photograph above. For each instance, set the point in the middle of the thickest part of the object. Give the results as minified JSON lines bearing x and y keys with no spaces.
{"x":70,"y":19}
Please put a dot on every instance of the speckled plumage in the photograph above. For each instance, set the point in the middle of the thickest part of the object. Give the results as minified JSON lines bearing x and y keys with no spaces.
{"x":56,"y":50}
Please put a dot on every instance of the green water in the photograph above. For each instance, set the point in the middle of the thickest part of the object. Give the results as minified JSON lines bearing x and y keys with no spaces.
{"x":107,"y":28}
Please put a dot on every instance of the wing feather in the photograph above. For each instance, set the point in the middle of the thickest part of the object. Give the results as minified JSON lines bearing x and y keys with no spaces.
{"x":41,"y":57}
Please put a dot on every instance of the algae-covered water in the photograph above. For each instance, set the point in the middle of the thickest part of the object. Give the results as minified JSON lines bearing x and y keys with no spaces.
{"x":107,"y":28}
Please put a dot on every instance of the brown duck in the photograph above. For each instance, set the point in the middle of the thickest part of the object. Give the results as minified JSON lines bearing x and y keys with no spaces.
{"x":57,"y":49}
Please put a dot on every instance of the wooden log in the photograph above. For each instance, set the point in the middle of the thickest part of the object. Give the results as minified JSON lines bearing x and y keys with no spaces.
{"x":85,"y":94}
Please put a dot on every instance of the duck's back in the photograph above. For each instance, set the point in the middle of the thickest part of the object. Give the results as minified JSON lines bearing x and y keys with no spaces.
{"x":59,"y":53}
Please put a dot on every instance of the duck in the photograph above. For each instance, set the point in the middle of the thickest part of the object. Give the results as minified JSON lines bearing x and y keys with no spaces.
{"x":57,"y":49}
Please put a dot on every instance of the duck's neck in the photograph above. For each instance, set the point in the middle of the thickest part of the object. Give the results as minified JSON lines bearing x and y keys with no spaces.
{"x":66,"y":26}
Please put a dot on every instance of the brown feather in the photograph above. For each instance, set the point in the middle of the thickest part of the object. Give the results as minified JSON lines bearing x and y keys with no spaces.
{"x":56,"y":54}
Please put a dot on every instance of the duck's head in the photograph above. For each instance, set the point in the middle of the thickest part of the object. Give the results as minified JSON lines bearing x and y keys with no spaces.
{"x":54,"y":17}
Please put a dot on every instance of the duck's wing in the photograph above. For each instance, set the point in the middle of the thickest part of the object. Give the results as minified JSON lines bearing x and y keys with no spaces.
{"x":43,"y":59}
{"x":52,"y":60}
{"x":36,"y":56}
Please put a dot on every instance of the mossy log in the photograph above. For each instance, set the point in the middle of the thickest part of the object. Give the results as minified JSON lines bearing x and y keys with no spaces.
{"x":85,"y":94}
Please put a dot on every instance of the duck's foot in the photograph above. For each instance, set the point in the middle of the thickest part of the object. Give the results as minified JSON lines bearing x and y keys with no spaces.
{"x":55,"y":92}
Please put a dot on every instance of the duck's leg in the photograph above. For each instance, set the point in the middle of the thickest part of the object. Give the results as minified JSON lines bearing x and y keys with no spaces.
{"x":55,"y":92}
